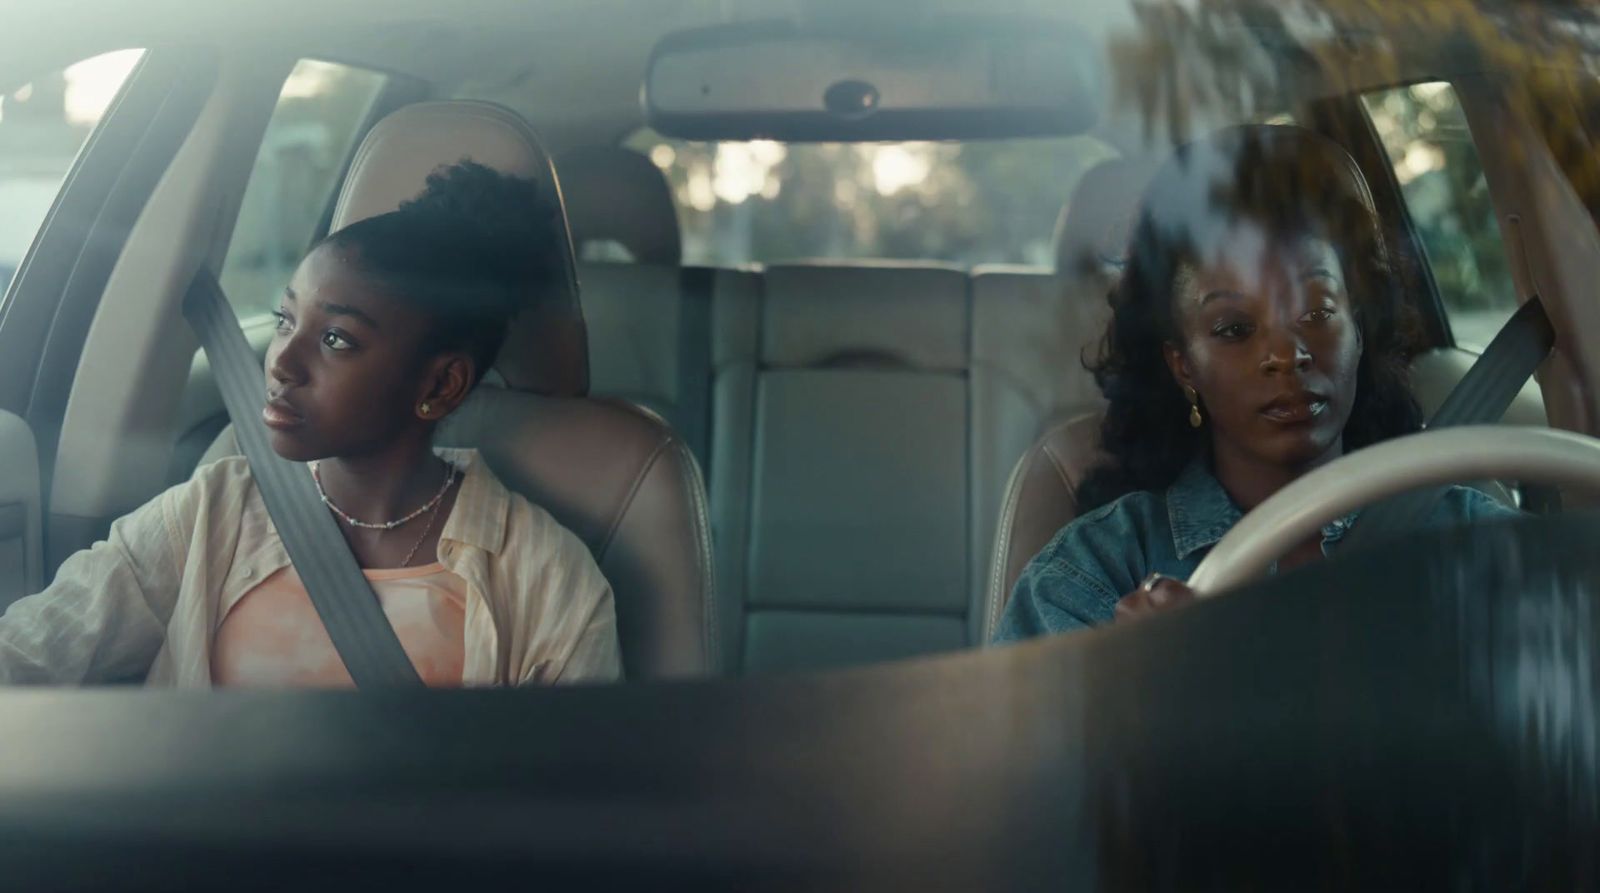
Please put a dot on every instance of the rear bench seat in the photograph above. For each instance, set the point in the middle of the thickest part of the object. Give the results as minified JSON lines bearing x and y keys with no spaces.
{"x":860,"y":419}
{"x":841,"y":464}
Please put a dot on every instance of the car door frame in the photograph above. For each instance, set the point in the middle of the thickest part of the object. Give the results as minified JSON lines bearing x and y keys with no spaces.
{"x":45,"y":316}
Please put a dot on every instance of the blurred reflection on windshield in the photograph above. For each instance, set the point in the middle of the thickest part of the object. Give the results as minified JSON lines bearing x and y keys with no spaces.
{"x":1187,"y":66}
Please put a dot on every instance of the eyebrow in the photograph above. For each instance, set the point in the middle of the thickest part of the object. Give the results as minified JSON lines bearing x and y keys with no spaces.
{"x":347,"y":310}
{"x":1220,"y":293}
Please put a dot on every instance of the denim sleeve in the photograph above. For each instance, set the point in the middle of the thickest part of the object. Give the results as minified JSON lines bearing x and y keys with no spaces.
{"x":1063,"y":588}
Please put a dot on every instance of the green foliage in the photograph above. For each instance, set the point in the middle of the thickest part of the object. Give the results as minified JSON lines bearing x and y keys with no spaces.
{"x":1442,"y":180}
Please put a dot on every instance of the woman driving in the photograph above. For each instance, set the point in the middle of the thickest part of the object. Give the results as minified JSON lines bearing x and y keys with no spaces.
{"x":384,"y":330}
{"x":1258,"y":332}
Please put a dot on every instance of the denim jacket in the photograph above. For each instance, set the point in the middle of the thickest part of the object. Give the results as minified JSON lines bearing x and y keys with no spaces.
{"x":1076,"y":580}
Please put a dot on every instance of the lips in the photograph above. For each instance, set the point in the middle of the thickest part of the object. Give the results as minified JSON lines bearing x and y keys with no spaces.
{"x":1295,"y":409}
{"x":279,"y":414}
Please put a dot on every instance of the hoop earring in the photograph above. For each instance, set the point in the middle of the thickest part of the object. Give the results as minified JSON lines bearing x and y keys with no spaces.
{"x":1195,"y":420}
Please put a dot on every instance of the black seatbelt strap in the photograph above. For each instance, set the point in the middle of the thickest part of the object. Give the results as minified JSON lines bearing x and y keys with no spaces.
{"x":1481,"y":397}
{"x":694,"y":360}
{"x":340,"y":592}
{"x":1486,"y":391}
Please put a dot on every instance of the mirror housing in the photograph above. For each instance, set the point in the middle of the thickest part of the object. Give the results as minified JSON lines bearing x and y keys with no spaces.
{"x":948,"y":79}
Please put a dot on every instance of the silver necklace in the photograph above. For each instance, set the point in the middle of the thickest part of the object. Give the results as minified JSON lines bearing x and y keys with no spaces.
{"x":449,"y":478}
{"x":422,"y":539}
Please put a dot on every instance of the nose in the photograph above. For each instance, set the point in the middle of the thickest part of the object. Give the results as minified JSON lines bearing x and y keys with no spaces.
{"x":1286,"y":352}
{"x":284,"y":366}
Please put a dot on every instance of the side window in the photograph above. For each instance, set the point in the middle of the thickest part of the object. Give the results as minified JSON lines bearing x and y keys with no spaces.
{"x":1441,"y":179}
{"x":43,"y":125}
{"x":313,"y":130}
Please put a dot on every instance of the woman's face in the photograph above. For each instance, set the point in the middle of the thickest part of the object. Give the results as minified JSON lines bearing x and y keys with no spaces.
{"x":343,"y":374}
{"x":1270,"y":344}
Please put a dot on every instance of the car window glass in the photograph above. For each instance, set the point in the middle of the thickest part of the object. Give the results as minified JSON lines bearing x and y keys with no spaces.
{"x":1441,"y":178}
{"x":303,"y":153}
{"x":43,"y":125}
{"x":993,"y":201}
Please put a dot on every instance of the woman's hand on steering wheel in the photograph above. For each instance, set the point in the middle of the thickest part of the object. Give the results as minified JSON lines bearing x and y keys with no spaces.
{"x":1155,"y":595}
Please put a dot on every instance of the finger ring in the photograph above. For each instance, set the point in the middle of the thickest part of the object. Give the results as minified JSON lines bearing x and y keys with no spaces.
{"x":1151,"y":582}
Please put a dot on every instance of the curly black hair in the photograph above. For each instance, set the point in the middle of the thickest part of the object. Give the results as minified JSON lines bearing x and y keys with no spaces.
{"x":1291,"y":181}
{"x":473,"y":250}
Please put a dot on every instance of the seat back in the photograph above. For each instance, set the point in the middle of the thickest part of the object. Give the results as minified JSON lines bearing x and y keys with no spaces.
{"x":547,"y":351}
{"x":648,"y":318}
{"x":628,"y":487}
{"x":1040,"y":494}
{"x":840,"y":469}
{"x":1041,"y":498}
{"x":613,"y":474}
{"x":1030,"y":336}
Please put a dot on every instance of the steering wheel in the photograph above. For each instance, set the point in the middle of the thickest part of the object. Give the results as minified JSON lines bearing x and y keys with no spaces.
{"x":1426,"y":459}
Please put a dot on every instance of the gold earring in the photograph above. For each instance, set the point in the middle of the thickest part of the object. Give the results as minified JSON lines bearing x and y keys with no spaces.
{"x":1194,"y":407}
{"x":425,"y":409}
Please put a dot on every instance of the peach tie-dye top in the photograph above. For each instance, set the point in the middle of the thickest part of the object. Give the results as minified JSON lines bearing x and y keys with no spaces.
{"x":272,"y":637}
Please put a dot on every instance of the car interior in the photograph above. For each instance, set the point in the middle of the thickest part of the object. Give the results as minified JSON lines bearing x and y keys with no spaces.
{"x":815,"y":390}
{"x":782,"y":465}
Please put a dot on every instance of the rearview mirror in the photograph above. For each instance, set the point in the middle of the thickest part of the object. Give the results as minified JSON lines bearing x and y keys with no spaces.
{"x":956,"y":79}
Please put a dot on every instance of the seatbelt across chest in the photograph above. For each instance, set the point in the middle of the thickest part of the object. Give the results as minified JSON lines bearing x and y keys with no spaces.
{"x":344,"y":600}
{"x":1481,"y":397}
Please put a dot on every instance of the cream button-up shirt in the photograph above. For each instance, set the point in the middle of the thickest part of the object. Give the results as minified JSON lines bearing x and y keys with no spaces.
{"x":146,"y":601}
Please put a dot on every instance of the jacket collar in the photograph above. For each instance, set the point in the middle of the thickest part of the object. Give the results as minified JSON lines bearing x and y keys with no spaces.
{"x":482,"y":506}
{"x":1200,"y":512}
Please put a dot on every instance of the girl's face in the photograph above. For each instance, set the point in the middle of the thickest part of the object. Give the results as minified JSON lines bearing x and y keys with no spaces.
{"x":345,"y":373}
{"x":1270,"y":344}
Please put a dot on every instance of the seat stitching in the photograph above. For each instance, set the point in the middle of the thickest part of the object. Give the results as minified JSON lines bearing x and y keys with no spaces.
{"x":1061,"y":471}
{"x":633,"y":491}
{"x":695,"y":483}
{"x":689,"y":476}
{"x":1003,"y":547}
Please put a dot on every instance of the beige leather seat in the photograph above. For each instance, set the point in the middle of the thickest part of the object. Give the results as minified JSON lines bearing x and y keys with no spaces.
{"x":1031,"y":332}
{"x":613,"y":474}
{"x":1041,"y":493}
{"x":649,"y":318}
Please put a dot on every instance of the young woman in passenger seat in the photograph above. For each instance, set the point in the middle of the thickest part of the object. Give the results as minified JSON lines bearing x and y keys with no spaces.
{"x":1258,"y":332}
{"x":384,"y":330}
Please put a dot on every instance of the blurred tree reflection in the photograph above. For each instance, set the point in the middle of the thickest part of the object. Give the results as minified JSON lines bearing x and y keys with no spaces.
{"x":1188,"y":65}
{"x":1189,"y":62}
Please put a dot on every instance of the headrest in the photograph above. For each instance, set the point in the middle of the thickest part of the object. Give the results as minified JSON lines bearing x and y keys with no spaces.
{"x":885,"y":314}
{"x":617,"y":195}
{"x":1092,"y":232}
{"x":547,"y":350}
{"x":1283,"y":171}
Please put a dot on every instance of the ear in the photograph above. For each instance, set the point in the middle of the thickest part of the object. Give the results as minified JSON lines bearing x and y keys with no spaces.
{"x":1177,"y":364}
{"x":446,"y":382}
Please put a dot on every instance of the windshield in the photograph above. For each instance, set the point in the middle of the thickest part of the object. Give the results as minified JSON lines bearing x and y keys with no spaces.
{"x":717,"y":349}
